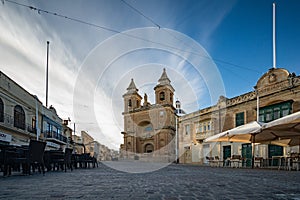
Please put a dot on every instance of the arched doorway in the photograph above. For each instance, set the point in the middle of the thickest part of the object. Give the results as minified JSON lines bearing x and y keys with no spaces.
{"x":149,"y":148}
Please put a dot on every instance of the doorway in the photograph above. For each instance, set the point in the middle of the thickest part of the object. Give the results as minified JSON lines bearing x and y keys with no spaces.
{"x":149,"y":148}
{"x":226,"y":152}
{"x":274,"y":150}
{"x":247,"y":154}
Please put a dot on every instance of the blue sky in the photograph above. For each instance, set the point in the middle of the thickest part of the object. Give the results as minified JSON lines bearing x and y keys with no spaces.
{"x":236,"y":34}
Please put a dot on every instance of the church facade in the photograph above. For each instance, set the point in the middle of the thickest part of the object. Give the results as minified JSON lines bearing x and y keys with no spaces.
{"x":149,"y":129}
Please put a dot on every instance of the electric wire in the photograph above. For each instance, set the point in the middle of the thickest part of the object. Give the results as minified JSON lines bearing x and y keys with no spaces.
{"x":187,"y":45}
{"x":39,"y":10}
{"x":139,"y":12}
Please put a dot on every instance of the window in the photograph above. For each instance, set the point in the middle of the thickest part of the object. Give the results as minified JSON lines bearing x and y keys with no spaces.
{"x":208,"y":126}
{"x":198,"y":128}
{"x":19,"y":117}
{"x":187,"y":129}
{"x":1,"y":111}
{"x":239,"y":119}
{"x":272,"y":112}
{"x":161,"y":113}
{"x":129,"y":103}
{"x":148,"y":128}
{"x":33,"y":123}
{"x":162,"y":96}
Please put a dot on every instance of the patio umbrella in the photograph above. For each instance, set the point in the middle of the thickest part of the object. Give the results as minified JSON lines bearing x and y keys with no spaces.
{"x":286,"y":142}
{"x":243,"y":133}
{"x":284,"y":131}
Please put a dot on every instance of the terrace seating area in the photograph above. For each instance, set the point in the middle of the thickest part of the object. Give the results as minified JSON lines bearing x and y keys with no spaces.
{"x":290,"y":162}
{"x":28,"y":159}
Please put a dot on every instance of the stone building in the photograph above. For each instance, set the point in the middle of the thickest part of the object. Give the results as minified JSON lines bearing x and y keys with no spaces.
{"x":23,"y":117}
{"x":276,"y":94}
{"x":149,"y":129}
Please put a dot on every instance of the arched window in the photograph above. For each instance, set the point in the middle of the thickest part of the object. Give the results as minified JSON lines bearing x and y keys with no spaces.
{"x":1,"y":111}
{"x":19,"y":117}
{"x":129,"y":103}
{"x":162,"y":96}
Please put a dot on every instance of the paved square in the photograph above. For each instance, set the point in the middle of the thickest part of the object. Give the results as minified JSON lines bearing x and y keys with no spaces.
{"x":171,"y":183}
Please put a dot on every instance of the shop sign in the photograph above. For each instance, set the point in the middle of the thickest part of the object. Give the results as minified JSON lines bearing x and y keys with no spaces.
{"x":5,"y":137}
{"x":52,"y":144}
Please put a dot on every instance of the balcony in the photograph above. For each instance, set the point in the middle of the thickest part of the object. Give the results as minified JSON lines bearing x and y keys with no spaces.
{"x":203,"y":135}
{"x":52,"y":135}
{"x":7,"y":121}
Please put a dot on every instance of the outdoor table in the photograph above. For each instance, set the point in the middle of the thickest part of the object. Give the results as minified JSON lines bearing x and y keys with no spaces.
{"x":9,"y":153}
{"x":54,"y":159}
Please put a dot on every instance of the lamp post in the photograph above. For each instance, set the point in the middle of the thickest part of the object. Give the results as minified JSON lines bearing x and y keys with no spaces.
{"x":37,"y":119}
{"x":178,"y":113}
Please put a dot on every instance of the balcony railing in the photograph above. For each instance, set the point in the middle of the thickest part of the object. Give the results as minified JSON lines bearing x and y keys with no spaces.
{"x":204,"y":135}
{"x":55,"y":135}
{"x":8,"y":122}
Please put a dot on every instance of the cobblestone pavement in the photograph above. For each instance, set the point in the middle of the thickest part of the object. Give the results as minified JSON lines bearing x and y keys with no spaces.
{"x":170,"y":183}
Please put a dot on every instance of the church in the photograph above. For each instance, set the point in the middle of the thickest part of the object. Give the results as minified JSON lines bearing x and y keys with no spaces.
{"x":149,"y":129}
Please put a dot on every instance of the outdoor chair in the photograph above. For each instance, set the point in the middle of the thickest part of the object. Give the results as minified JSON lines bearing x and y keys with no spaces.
{"x":295,"y":162}
{"x":7,"y":152}
{"x":258,"y":161}
{"x":219,"y":162}
{"x":31,"y":158}
{"x":210,"y":161}
{"x":54,"y":160}
{"x":68,"y":159}
{"x":235,"y":161}
{"x":57,"y":159}
{"x":85,"y":160}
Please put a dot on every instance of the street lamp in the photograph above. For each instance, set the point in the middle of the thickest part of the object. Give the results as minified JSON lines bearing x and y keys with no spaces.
{"x":178,"y":113}
{"x":37,"y":118}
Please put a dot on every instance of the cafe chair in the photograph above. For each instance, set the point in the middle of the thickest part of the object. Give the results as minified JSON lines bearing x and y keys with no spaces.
{"x":68,"y":159}
{"x":32,"y":158}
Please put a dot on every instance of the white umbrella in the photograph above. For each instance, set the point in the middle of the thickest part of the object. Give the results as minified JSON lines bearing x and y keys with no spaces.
{"x":284,"y":131}
{"x":244,"y":133}
{"x":241,"y":133}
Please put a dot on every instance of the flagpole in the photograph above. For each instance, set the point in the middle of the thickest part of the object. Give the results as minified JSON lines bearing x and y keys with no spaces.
{"x":47,"y":74}
{"x":274,"y":38}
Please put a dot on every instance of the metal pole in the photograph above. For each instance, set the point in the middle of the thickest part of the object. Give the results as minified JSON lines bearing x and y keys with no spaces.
{"x":36,"y":119}
{"x":274,"y":38}
{"x":47,"y":74}
{"x":253,"y":150}
{"x":220,"y":148}
{"x":257,"y":107}
{"x":176,"y":139}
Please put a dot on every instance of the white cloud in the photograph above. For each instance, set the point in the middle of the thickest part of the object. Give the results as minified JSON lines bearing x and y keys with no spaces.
{"x":92,"y":94}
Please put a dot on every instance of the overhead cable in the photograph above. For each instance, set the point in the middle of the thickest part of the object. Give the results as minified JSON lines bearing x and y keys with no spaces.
{"x":39,"y":10}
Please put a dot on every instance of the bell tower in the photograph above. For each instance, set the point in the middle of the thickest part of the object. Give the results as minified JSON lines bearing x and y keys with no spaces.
{"x":132,"y":99}
{"x":164,"y":91}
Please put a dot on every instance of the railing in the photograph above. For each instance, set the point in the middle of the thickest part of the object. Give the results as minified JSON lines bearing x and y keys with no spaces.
{"x":204,"y":135}
{"x":55,"y":135}
{"x":8,"y":121}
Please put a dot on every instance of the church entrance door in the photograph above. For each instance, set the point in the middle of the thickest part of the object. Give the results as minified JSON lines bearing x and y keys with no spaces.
{"x":149,"y":148}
